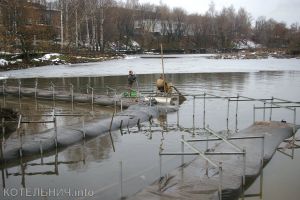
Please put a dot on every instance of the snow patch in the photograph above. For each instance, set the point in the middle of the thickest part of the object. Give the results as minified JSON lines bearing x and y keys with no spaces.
{"x":246,"y":44}
{"x":3,"y":62}
{"x":49,"y":56}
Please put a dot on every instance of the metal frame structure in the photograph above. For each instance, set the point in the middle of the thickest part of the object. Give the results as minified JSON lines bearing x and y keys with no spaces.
{"x":273,"y":103}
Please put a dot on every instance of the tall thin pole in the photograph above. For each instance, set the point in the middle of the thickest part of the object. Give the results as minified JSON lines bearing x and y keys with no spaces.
{"x":162,"y":65}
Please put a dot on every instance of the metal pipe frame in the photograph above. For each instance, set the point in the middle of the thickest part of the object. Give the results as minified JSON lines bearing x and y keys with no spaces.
{"x":271,"y":103}
{"x":224,"y":139}
{"x":286,"y":101}
{"x":233,"y":138}
{"x":270,"y":107}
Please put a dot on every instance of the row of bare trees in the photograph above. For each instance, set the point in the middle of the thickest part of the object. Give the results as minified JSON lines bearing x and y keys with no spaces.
{"x":102,"y":25}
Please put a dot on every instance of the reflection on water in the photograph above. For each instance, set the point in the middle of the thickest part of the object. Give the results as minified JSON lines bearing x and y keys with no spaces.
{"x":92,"y":164}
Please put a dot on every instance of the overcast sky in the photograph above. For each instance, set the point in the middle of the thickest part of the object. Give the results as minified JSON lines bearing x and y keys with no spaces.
{"x":281,"y":10}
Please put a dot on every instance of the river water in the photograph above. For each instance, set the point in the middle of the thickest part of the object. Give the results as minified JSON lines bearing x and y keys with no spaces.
{"x":93,"y":166}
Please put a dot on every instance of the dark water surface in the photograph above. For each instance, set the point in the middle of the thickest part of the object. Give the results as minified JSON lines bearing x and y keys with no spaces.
{"x":93,"y":166}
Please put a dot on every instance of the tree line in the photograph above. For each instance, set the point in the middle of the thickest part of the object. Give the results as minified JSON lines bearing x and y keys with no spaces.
{"x":113,"y":25}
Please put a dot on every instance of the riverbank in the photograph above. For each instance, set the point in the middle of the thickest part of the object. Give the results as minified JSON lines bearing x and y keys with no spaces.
{"x":10,"y":61}
{"x":17,"y":61}
{"x":260,"y":54}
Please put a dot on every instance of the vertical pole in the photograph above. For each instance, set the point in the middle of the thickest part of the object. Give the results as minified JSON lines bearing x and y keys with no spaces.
{"x":270,"y":119}
{"x":264,"y":113}
{"x":204,"y":110}
{"x":121,"y":178}
{"x":110,"y":134}
{"x":182,"y":150}
{"x":206,"y":147}
{"x":19,"y":88}
{"x":19,"y":83}
{"x":41,"y":152}
{"x":55,"y":127}
{"x":162,"y":65}
{"x":262,"y":152}
{"x":227,"y":118}
{"x":53,"y":93}
{"x":236,"y":113}
{"x":35,"y":88}
{"x":92,"y":98}
{"x":3,"y":130}
{"x":244,"y":172}
{"x":115,"y":103}
{"x":160,"y":167}
{"x":121,"y":102}
{"x":83,"y":127}
{"x":2,"y":170}
{"x":178,"y":118}
{"x":121,"y":125}
{"x":254,"y":113}
{"x":294,"y":133}
{"x":139,"y":124}
{"x":261,"y":184}
{"x":220,"y":180}
{"x":294,"y":127}
{"x":3,"y":91}
{"x":194,"y":102}
{"x":72,"y":95}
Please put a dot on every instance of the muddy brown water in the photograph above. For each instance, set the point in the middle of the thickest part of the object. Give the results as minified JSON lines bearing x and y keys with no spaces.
{"x":93,"y":166}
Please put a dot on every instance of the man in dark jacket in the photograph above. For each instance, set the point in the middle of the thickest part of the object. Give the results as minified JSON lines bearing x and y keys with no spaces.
{"x":131,"y":79}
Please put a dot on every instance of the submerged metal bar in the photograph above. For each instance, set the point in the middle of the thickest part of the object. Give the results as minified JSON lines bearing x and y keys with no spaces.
{"x":224,"y":139}
{"x":200,"y":153}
